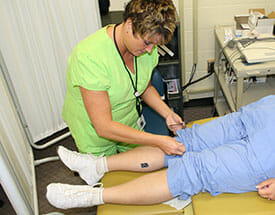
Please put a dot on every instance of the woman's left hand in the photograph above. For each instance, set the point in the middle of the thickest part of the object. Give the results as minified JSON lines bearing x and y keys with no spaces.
{"x":174,"y":122}
{"x":266,"y":189}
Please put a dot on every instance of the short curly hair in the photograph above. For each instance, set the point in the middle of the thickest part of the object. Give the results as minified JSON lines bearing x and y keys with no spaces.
{"x":151,"y":17}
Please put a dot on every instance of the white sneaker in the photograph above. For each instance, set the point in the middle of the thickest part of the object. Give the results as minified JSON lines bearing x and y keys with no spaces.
{"x":84,"y":164}
{"x":67,"y":196}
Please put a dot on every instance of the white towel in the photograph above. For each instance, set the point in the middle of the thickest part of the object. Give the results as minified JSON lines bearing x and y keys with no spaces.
{"x":178,"y":203}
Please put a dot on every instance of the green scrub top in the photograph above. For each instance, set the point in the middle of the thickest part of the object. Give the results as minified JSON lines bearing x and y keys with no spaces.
{"x":95,"y":64}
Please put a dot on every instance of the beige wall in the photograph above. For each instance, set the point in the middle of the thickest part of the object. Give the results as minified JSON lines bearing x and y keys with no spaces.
{"x":119,"y":4}
{"x":210,"y":13}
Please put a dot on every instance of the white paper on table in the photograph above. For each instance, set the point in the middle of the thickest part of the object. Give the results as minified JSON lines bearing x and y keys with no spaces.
{"x":178,"y":203}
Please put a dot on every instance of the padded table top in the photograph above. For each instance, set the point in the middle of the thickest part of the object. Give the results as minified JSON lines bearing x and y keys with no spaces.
{"x":232,"y":204}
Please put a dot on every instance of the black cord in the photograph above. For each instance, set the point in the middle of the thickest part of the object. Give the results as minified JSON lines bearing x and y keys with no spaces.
{"x":200,"y":79}
{"x":194,"y":68}
{"x":136,"y":93}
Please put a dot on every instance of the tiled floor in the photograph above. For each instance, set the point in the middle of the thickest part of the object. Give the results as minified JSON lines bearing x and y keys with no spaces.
{"x":57,"y":172}
{"x":52,"y":172}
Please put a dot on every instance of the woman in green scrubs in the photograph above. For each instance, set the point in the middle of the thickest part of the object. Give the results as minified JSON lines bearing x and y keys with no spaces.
{"x":109,"y":73}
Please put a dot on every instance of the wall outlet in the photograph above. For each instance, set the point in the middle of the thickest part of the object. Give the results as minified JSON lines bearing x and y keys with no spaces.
{"x":210,"y":66}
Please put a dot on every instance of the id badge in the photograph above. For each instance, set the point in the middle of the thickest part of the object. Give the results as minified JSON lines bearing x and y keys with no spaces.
{"x":141,"y":122}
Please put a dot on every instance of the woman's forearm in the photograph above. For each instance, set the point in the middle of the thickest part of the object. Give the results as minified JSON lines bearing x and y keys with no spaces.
{"x":153,"y":99}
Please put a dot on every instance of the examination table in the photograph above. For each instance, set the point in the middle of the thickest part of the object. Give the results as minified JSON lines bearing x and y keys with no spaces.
{"x":202,"y":204}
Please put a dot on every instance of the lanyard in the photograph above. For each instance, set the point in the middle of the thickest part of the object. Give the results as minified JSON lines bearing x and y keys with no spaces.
{"x":136,"y":94}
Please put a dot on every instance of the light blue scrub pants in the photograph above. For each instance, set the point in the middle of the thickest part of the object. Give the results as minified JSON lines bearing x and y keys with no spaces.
{"x":218,"y":159}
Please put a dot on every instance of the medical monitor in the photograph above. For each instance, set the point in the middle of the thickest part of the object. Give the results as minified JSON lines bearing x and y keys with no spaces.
{"x":257,"y":51}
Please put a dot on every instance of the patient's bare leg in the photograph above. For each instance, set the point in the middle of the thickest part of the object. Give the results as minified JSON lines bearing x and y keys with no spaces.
{"x":148,"y":189}
{"x":91,"y":168}
{"x":140,"y":159}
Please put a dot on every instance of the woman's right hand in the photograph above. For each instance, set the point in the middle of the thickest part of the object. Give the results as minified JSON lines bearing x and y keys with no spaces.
{"x":170,"y":146}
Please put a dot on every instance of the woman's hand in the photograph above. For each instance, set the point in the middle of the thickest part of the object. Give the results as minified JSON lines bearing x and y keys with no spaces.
{"x":174,"y":122}
{"x":170,"y":146}
{"x":266,"y":189}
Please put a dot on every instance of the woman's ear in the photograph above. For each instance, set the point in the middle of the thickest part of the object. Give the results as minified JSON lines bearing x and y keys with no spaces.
{"x":129,"y":25}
